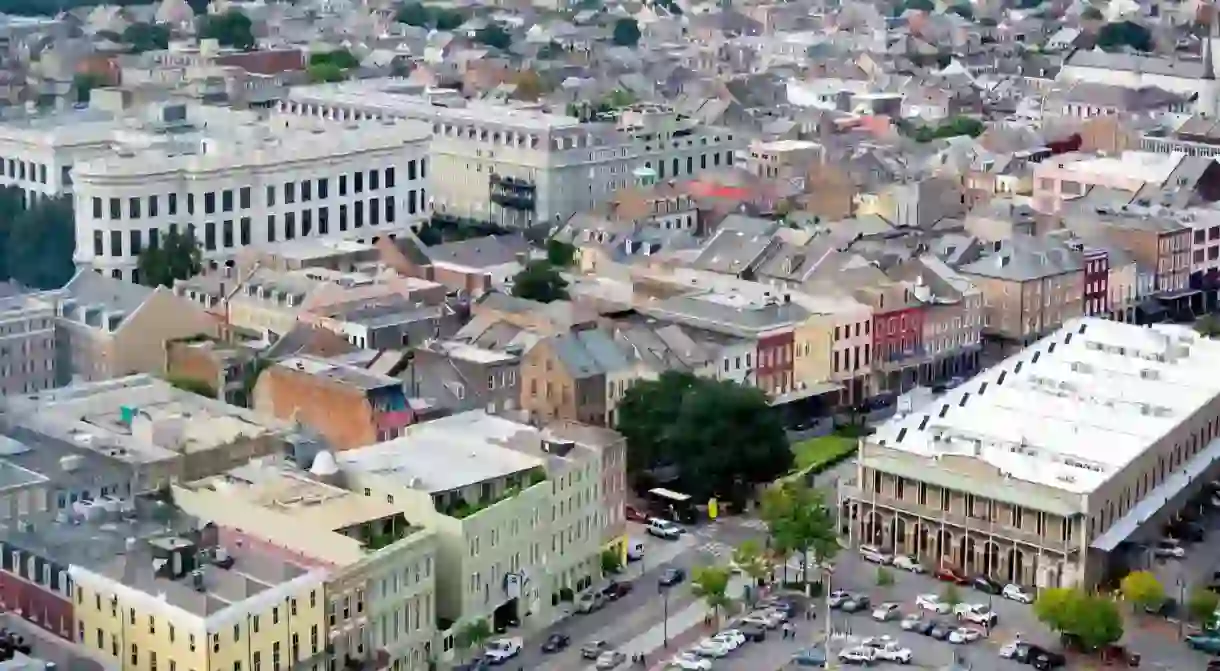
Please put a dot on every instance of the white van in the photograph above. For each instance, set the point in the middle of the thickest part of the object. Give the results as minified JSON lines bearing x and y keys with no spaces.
{"x":635,"y":550}
{"x":664,"y":529}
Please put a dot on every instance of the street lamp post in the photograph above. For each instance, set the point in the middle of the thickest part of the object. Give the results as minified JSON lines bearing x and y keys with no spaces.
{"x":1181,"y":602}
{"x":665,"y":615}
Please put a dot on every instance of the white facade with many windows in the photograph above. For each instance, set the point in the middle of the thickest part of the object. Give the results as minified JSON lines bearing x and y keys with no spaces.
{"x":235,"y":180}
{"x":516,"y":166}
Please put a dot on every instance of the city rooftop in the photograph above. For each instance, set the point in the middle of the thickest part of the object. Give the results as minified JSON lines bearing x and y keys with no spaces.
{"x":1072,"y":409}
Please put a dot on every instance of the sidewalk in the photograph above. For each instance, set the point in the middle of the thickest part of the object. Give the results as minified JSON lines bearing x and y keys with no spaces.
{"x":683,"y":626}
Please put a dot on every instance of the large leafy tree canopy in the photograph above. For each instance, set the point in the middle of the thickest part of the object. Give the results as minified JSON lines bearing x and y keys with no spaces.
{"x":176,"y":257}
{"x":1124,"y":34}
{"x":231,"y":29}
{"x":36,"y":243}
{"x":718,"y":434}
{"x":798,"y":520}
{"x":1092,"y":618}
{"x":540,"y":281}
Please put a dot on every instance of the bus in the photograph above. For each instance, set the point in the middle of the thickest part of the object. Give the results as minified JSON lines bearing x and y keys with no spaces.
{"x":670,"y":505}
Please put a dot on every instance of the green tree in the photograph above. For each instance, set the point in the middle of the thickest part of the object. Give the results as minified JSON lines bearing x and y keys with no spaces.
{"x":530,"y":86}
{"x":752,"y":560}
{"x":719,"y":435}
{"x":84,"y":83}
{"x":493,"y":35}
{"x":414,"y":14}
{"x":1142,"y":590}
{"x":447,"y":19}
{"x":540,"y":281}
{"x":612,"y":561}
{"x":951,"y":595}
{"x":473,"y":635}
{"x":620,"y":98}
{"x":39,"y":243}
{"x":711,"y":583}
{"x":143,"y":37}
{"x":1201,"y":605}
{"x":325,"y":72}
{"x":626,"y":32}
{"x":559,"y":253}
{"x":231,"y":29}
{"x":340,"y":58}
{"x":177,"y":257}
{"x":799,"y":521}
{"x":1055,"y":607}
{"x":1096,"y":621}
{"x":1208,"y":326}
{"x":1091,"y":14}
{"x":885,"y":577}
{"x":1123,"y":35}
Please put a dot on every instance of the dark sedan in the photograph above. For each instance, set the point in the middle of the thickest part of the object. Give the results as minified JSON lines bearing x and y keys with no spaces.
{"x":556,"y":643}
{"x":671,"y":576}
{"x":984,"y":584}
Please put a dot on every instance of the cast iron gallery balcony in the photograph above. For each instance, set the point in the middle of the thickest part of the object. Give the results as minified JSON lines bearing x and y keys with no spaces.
{"x":513,"y":193}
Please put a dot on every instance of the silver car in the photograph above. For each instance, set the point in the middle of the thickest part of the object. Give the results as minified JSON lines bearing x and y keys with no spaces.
{"x":609,"y":659}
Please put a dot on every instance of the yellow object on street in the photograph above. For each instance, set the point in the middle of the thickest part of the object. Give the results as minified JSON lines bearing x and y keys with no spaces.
{"x":713,"y":508}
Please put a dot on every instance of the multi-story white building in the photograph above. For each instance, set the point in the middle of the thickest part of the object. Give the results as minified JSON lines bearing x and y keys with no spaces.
{"x":37,"y":152}
{"x":516,"y":166}
{"x":236,"y":180}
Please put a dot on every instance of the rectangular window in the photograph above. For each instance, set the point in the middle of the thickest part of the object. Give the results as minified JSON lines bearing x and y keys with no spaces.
{"x":226,"y":200}
{"x":306,"y":191}
{"x":342,"y":217}
{"x":358,"y":214}
{"x":116,"y":243}
{"x":99,"y":247}
{"x":323,"y":188}
{"x":323,"y":222}
{"x":290,"y":225}
{"x":190,"y":203}
{"x":374,"y":180}
{"x":134,"y":242}
{"x":389,"y":210}
{"x":152,"y":206}
{"x":306,"y":222}
{"x":342,"y":185}
{"x":209,"y":236}
{"x":209,"y":202}
{"x":97,"y":208}
{"x":243,"y":198}
{"x":410,"y":170}
{"x":116,"y":209}
{"x":358,"y":182}
{"x":423,"y":168}
{"x":389,"y":177}
{"x":374,"y":213}
{"x":411,"y":201}
{"x":135,"y":655}
{"x":271,"y":228}
{"x":153,"y":237}
{"x":173,"y":203}
{"x":226,"y":233}
{"x":244,"y":233}
{"x":271,"y":196}
{"x":290,"y":193}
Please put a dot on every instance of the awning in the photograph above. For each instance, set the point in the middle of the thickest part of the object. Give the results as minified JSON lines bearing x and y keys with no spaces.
{"x":808,"y":392}
{"x":1153,"y":501}
{"x":1151,"y":308}
{"x":1175,"y":295}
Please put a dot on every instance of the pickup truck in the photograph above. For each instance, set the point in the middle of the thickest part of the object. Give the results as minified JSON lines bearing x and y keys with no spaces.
{"x":502,"y":649}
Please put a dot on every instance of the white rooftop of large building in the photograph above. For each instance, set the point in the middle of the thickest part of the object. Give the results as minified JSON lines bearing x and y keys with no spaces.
{"x":1072,"y":409}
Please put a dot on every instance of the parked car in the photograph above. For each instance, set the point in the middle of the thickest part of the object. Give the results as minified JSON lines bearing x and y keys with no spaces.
{"x":1016,"y":593}
{"x":556,"y":643}
{"x":609,"y":660}
{"x":730,"y":637}
{"x":1206,"y":642}
{"x":836,"y":598}
{"x":689,"y":662}
{"x":1169,"y":548}
{"x":859,"y":656}
{"x":875,"y":555}
{"x":671,"y":576}
{"x":964,"y":635}
{"x":926,"y":627}
{"x":501,"y":650}
{"x":634,"y":514}
{"x":933,"y":604}
{"x":977,"y":613}
{"x":786,"y":606}
{"x":986,"y":585}
{"x":908,"y":563}
{"x":616,"y":590}
{"x":814,"y":657}
{"x":892,"y":652}
{"x":589,"y":602}
{"x":1013,"y":649}
{"x":753,"y":632}
{"x":709,"y":648}
{"x":1045,"y":660}
{"x":886,"y":611}
{"x":855,"y":604}
{"x":940,"y":631}
{"x":768,"y":619}
{"x":950,"y":574}
{"x":663,"y":529}
{"x":911,"y":623}
{"x":592,"y":649}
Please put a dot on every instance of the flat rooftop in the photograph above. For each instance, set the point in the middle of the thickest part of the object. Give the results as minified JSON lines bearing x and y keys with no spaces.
{"x":448,"y":453}
{"x":1072,"y":409}
{"x":137,"y":419}
{"x":339,"y":372}
{"x":473,"y":353}
{"x":390,"y":97}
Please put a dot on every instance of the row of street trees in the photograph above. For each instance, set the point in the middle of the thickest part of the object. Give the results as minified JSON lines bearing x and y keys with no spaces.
{"x":36,"y":241}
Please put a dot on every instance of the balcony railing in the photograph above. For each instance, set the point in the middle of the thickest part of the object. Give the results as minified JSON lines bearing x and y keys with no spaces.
{"x":513,"y":193}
